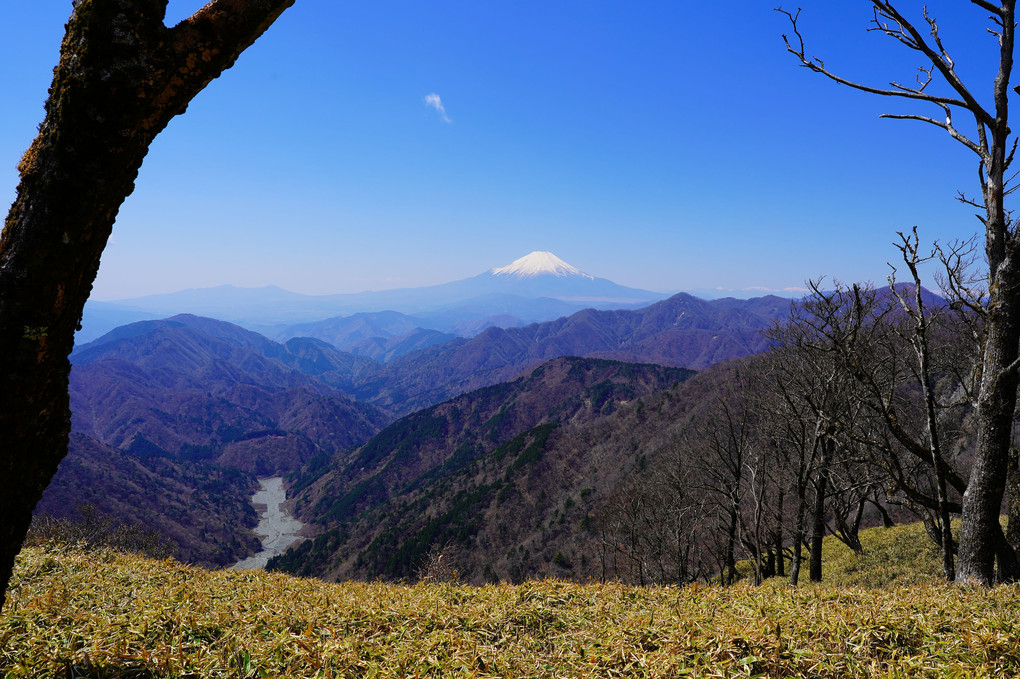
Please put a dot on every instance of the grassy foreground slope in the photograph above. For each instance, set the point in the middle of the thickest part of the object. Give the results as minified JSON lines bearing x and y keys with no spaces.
{"x":107,"y":614}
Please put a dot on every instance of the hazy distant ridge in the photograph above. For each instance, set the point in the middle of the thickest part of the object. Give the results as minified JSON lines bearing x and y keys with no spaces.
{"x":537,"y":287}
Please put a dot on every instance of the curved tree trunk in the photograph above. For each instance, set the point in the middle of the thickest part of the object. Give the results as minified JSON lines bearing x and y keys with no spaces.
{"x":121,"y":78}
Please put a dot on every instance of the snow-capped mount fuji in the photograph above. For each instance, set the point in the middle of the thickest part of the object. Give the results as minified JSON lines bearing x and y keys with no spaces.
{"x":539,"y":263}
{"x":537,"y":287}
{"x":542,"y":274}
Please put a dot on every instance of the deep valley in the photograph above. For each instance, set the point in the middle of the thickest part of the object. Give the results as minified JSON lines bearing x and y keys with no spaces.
{"x":167,"y":411}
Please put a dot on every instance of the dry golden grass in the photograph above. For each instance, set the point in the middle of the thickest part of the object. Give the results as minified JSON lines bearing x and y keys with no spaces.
{"x":107,"y":614}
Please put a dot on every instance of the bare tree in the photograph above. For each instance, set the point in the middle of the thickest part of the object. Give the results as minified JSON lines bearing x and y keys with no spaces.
{"x":921,"y":318}
{"x":981,"y":538}
{"x":756,"y":526}
{"x":815,"y":403}
{"x":122,"y":76}
{"x":675,"y":519}
{"x":719,"y":442}
{"x":788,"y":418}
{"x":650,"y":530}
{"x":775,"y":470}
{"x":890,"y":417}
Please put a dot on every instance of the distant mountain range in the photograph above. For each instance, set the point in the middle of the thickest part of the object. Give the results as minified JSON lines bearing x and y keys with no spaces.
{"x":199,"y":401}
{"x":681,"y":331}
{"x":536,"y":287}
{"x":383,"y":335}
{"x":405,"y":419}
{"x":194,"y":407}
{"x":187,"y":355}
{"x":559,"y":472}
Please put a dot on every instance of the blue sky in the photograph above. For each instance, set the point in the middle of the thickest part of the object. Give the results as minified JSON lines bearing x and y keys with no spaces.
{"x":664,"y":145}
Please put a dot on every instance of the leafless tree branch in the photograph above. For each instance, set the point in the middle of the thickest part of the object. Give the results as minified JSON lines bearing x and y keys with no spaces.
{"x":940,"y":59}
{"x":962,"y":197}
{"x":818,"y":66}
{"x":890,"y":22}
{"x":994,"y":9}
{"x":946,"y":125}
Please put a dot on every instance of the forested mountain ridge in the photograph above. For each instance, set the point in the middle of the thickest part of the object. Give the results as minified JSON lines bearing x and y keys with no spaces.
{"x":204,"y":509}
{"x":449,"y":472}
{"x":681,"y":331}
{"x":173,"y":419}
{"x":196,"y":388}
{"x":191,"y":390}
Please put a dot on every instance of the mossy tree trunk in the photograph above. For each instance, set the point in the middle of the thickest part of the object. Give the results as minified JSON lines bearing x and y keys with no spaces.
{"x":122,"y":76}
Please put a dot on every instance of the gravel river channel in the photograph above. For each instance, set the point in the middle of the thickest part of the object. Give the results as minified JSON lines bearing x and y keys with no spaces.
{"x":277,"y":529}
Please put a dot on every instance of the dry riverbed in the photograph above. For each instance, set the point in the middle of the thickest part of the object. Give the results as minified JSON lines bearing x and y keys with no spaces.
{"x":277,"y":529}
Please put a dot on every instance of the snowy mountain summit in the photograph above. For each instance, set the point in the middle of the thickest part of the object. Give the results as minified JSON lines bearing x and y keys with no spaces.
{"x":537,"y":287}
{"x":539,"y":263}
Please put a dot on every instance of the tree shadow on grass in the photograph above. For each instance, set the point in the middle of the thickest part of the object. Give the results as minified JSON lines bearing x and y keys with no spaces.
{"x":83,"y":668}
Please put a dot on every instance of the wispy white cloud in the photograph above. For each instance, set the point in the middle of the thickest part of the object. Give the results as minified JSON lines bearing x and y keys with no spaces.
{"x":757,"y":291}
{"x":792,"y":290}
{"x":433,"y":101}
